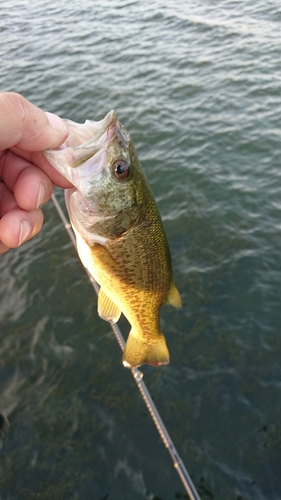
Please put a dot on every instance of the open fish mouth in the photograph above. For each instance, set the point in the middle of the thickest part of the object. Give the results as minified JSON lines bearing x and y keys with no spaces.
{"x":86,"y":135}
{"x":84,"y":141}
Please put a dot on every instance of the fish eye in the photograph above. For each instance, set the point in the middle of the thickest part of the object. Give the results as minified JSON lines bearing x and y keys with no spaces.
{"x":121,"y":169}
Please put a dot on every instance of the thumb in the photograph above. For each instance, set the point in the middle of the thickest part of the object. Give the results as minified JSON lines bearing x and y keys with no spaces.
{"x":27,"y":127}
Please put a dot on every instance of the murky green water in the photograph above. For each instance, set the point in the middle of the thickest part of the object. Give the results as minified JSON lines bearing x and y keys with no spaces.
{"x":197,"y":84}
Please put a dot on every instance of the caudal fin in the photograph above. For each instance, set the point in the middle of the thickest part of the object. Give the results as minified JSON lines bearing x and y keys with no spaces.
{"x":137,"y":352}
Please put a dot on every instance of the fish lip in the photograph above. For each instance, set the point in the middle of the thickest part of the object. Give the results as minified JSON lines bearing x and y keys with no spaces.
{"x":110,"y":129}
{"x":71,"y":142}
{"x":109,"y":122}
{"x":109,"y":125}
{"x":85,"y":142}
{"x":79,"y":154}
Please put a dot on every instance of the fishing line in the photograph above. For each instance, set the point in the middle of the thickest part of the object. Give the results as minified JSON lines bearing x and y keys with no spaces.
{"x":138,"y":376}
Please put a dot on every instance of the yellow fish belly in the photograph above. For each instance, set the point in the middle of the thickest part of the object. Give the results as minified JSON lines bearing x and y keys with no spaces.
{"x":135,"y":278}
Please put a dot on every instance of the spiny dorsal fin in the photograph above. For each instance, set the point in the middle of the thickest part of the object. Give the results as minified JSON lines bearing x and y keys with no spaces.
{"x":107,"y":309}
{"x":174,"y":297}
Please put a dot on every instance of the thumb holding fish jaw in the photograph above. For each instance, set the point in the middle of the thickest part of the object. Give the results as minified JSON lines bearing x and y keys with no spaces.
{"x":26,"y":179}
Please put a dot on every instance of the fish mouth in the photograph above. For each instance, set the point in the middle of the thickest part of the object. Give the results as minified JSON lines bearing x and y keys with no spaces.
{"x":84,"y":141}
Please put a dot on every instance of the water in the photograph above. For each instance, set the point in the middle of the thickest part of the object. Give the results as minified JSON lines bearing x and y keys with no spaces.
{"x":197,"y":84}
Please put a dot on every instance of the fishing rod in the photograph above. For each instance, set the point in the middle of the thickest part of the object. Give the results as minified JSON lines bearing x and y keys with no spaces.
{"x":138,"y":377}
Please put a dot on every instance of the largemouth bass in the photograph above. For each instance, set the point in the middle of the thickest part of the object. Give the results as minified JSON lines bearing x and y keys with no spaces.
{"x":119,"y":233}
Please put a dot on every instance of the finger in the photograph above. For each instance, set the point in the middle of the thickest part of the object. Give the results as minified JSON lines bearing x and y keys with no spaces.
{"x":31,"y":187}
{"x":11,"y":167}
{"x":28,"y":127}
{"x":18,"y":226}
{"x":40,"y":161}
{"x":3,"y":248}
{"x":7,"y":200}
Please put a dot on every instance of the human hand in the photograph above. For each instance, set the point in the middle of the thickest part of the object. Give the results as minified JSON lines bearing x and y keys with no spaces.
{"x":26,"y":177}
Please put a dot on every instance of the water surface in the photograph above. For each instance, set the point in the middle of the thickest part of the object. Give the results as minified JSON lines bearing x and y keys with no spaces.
{"x":197,"y":84}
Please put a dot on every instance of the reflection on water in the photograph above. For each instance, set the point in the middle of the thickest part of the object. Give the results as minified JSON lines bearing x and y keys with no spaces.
{"x":197,"y":87}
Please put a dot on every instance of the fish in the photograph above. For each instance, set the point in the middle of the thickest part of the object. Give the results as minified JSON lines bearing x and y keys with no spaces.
{"x":119,"y":233}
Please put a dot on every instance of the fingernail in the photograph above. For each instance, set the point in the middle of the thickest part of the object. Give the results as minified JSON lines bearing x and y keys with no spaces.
{"x":25,"y":231}
{"x":56,"y":122}
{"x":41,"y":195}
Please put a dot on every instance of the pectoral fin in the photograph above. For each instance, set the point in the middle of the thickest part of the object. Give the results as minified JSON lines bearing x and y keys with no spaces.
{"x":174,"y":297}
{"x":107,"y":309}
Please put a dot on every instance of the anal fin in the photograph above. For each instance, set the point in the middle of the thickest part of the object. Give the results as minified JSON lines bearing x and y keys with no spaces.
{"x":107,"y":309}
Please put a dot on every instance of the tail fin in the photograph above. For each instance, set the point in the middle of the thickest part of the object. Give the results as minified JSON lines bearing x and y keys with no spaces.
{"x":138,"y":352}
